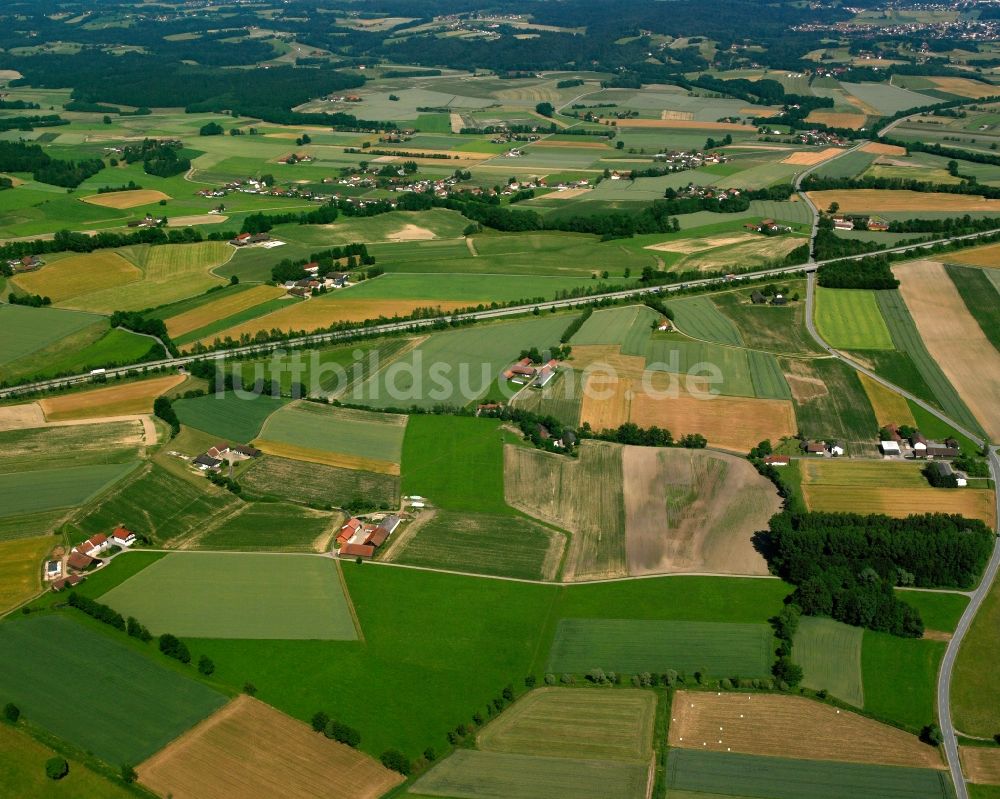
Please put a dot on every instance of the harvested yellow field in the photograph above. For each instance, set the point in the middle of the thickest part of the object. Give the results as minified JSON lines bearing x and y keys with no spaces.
{"x":762,"y":251}
{"x":20,"y":417}
{"x":126,"y":199}
{"x":889,"y":407}
{"x":883,"y":149}
{"x":811,"y":158}
{"x":964,"y":87}
{"x":79,"y":274}
{"x":196,"y":219}
{"x":733,"y":423}
{"x":220,"y":309}
{"x":853,"y":201}
{"x":980,"y":764}
{"x":120,"y":400}
{"x":838,"y":120}
{"x":790,"y":726}
{"x":315,"y":314}
{"x":954,"y":339}
{"x":693,"y":245}
{"x":568,"y":194}
{"x":250,"y":749}
{"x":676,"y":115}
{"x":681,"y":124}
{"x":760,"y":112}
{"x":976,"y":503}
{"x":21,"y":569}
{"x":338,"y":459}
{"x":988,"y":256}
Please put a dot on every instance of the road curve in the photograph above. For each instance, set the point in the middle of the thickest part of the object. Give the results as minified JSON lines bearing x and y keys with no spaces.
{"x":498,"y":313}
{"x":976,"y":597}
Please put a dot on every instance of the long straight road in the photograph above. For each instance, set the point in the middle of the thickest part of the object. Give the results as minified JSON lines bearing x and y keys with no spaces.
{"x":977,"y":596}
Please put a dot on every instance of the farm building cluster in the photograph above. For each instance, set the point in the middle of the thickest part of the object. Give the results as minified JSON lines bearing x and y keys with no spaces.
{"x":29,"y":263}
{"x":69,"y":569}
{"x":873,"y":223}
{"x":361,"y":539}
{"x":913,"y":444}
{"x":768,"y":227}
{"x":829,"y":449}
{"x":524,"y":372}
{"x":212,"y":459}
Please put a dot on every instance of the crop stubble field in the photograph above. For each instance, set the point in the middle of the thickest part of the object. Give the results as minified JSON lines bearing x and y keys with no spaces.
{"x":223,"y":756}
{"x":790,"y":726}
{"x":117,"y":400}
{"x":954,"y":338}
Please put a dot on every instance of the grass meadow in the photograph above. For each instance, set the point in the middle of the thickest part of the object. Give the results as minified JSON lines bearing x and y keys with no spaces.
{"x":29,"y":492}
{"x":771,"y":328}
{"x":317,"y":484}
{"x":981,"y":298}
{"x":631,"y":646}
{"x":252,"y":596}
{"x":271,"y":527}
{"x":975,"y":695}
{"x":700,"y":318}
{"x":228,"y":415}
{"x":900,"y":678}
{"x":721,"y":774}
{"x":850,"y":319}
{"x":829,"y":653}
{"x":27,"y":330}
{"x":49,"y":659}
{"x":841,"y":410}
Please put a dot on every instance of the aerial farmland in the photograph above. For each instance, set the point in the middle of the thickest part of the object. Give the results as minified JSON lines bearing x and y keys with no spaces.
{"x":536,"y":400}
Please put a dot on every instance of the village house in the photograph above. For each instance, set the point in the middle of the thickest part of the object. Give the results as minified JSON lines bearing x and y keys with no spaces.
{"x":837,"y":448}
{"x":63,"y":582}
{"x":206,"y":462}
{"x":364,"y":551}
{"x":814,"y":447}
{"x":94,"y":545}
{"x":843,"y":223}
{"x":545,"y":375}
{"x":241,"y":240}
{"x":777,"y":460}
{"x":889,"y":447}
{"x":944,"y":469}
{"x":522,"y":372}
{"x":123,"y":537}
{"x":78,"y":561}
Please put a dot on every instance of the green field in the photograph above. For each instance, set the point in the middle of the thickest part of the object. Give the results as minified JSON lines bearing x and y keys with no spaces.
{"x":699,"y":318}
{"x":576,"y":723}
{"x":92,"y":347}
{"x":29,"y":492}
{"x":22,"y":772}
{"x":494,"y":775}
{"x":829,"y":653}
{"x":254,"y":596}
{"x":975,"y":695}
{"x":456,"y":462}
{"x":846,"y":166}
{"x":849,"y":319}
{"x":741,"y":373}
{"x":906,"y":338}
{"x":378,"y":436}
{"x":158,"y":504}
{"x":615,"y":326}
{"x":229,"y":415}
{"x":981,"y":297}
{"x":725,"y":774}
{"x":900,"y":676}
{"x":271,"y":526}
{"x":59,"y":673}
{"x":466,"y":363}
{"x":842,"y":411}
{"x":317,"y":484}
{"x":485,"y":544}
{"x":940,"y":610}
{"x":631,"y":646}
{"x":38,"y":448}
{"x":27,"y":330}
{"x":772,"y":328}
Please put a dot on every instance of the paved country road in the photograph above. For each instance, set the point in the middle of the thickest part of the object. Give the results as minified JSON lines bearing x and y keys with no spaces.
{"x":977,"y":596}
{"x":422,"y":324}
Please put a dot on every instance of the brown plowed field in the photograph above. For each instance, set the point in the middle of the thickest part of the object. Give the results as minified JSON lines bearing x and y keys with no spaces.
{"x":249,"y":749}
{"x":790,"y":726}
{"x":714,"y":505}
{"x":126,"y":199}
{"x":954,"y":339}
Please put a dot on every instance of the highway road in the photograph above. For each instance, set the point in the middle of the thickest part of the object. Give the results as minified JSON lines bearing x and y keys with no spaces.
{"x":977,"y":596}
{"x":422,"y":324}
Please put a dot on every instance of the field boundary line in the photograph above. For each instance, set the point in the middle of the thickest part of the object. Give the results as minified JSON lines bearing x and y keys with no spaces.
{"x":349,"y":599}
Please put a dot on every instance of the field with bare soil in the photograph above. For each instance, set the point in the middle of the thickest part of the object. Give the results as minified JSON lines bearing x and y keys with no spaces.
{"x":954,"y":339}
{"x":583,"y":496}
{"x":693,"y":511}
{"x":250,"y":749}
{"x":981,"y":764}
{"x":126,"y":199}
{"x":790,"y":726}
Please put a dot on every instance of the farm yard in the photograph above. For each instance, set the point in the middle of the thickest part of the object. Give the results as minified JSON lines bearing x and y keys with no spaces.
{"x":221,"y":755}
{"x":151,"y":708}
{"x":791,"y":727}
{"x":252,"y":596}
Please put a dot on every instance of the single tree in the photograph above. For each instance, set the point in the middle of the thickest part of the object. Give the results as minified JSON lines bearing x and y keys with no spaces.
{"x":56,"y":768}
